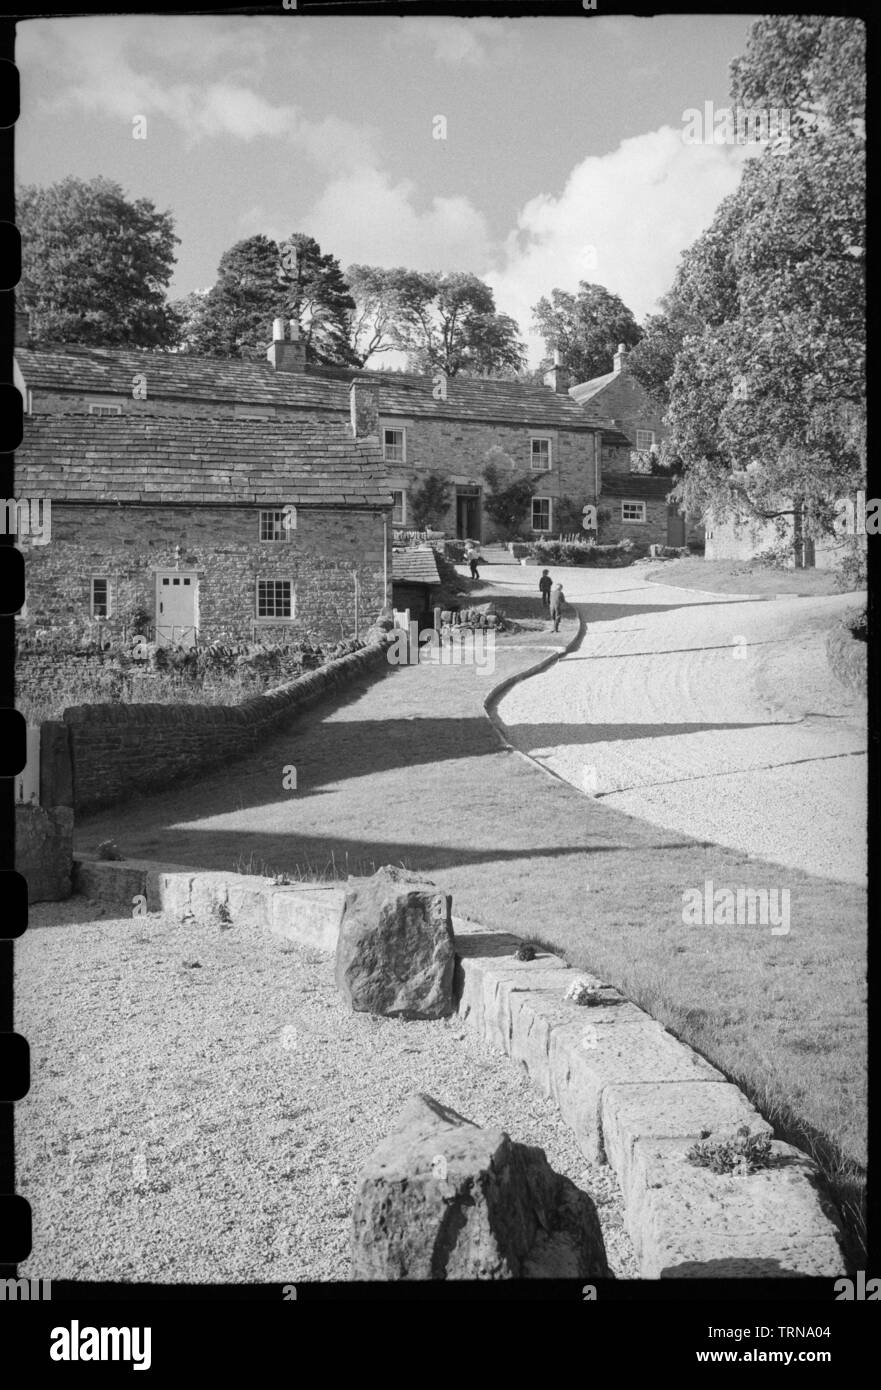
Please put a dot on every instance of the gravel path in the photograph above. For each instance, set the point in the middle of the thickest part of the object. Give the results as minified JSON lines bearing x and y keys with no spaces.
{"x":202,"y":1102}
{"x":709,"y":715}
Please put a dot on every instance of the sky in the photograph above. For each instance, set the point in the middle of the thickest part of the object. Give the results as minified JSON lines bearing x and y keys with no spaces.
{"x":562,"y":158}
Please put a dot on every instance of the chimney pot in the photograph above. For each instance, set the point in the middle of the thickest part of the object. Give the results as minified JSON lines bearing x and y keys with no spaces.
{"x":558,"y":378}
{"x":295,"y":330}
{"x":619,"y":357}
{"x":286,"y":357}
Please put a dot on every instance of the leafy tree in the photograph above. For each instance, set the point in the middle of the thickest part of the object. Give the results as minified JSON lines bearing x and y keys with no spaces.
{"x":507,"y":504}
{"x":448,"y":323}
{"x":764,"y":325}
{"x":429,"y":502}
{"x":95,"y":264}
{"x":258,"y":281}
{"x":370,"y":322}
{"x":586,"y":327}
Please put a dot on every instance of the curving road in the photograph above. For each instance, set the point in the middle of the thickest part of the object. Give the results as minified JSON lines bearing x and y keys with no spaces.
{"x":704,"y":713}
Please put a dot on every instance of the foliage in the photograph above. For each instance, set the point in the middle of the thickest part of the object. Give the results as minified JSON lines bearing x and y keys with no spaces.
{"x":746,"y":1153}
{"x":259,"y":280}
{"x":370,"y":322}
{"x":507,"y":504}
{"x":584,"y":553}
{"x":852,"y":571}
{"x":759,"y":352}
{"x":429,"y":501}
{"x":586,"y":327}
{"x":447,"y":322}
{"x":95,"y":264}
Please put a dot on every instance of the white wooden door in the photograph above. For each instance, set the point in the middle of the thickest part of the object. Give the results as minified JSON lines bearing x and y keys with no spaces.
{"x":177,"y":608}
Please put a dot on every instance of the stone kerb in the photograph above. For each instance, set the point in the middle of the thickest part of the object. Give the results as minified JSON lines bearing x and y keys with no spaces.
{"x":633,"y":1095}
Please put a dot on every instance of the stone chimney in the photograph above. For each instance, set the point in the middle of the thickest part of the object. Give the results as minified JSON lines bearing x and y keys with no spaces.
{"x":618,"y":359}
{"x":287,"y":356}
{"x":558,"y":378}
{"x":364,"y":409}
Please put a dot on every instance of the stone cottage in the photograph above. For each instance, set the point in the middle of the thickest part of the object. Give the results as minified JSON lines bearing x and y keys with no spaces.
{"x":425,"y":424}
{"x":633,"y":497}
{"x":204,"y":524}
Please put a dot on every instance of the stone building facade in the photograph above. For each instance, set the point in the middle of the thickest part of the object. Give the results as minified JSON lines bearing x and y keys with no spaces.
{"x":425,"y":424}
{"x":227,"y":529}
{"x":634,"y":502}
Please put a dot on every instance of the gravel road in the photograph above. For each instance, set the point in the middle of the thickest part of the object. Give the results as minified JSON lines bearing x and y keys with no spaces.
{"x":202,"y":1102}
{"x":706,"y":714}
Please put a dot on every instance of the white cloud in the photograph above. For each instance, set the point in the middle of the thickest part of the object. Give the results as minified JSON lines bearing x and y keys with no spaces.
{"x":368,"y":218}
{"x":622,"y":221}
{"x":108,"y":66}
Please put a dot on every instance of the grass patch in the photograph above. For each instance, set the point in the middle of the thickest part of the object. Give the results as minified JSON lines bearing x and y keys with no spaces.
{"x":741,"y":577}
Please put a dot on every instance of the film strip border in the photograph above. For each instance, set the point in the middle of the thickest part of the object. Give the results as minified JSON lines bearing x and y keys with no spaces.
{"x":15,"y":1214}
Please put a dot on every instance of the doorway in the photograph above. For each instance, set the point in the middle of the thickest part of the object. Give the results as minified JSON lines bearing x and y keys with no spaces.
{"x":675,"y":527}
{"x":177,"y":608}
{"x":468,"y":513}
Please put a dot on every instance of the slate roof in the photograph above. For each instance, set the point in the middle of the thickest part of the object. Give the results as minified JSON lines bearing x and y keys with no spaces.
{"x":415,"y":567}
{"x":178,"y":459}
{"x":638,"y":485}
{"x":586,"y":390}
{"x":179,"y":376}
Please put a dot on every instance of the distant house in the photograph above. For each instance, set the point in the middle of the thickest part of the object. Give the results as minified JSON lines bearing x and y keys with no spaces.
{"x":190,"y":517}
{"x":635,"y":498}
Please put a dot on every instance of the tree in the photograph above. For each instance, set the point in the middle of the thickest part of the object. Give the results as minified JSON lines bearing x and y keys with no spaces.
{"x":586,"y":328}
{"x":95,"y":264}
{"x":448,"y":323}
{"x":767,"y":395}
{"x":429,"y":501}
{"x":370,"y":322}
{"x":316,"y":294}
{"x":258,"y":281}
{"x":507,"y":504}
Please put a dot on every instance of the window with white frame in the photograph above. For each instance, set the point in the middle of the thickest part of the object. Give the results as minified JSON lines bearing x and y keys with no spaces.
{"x":275,"y":598}
{"x":276,"y":524}
{"x":399,"y":507}
{"x":645,"y":439}
{"x":541,"y":513}
{"x":633,"y":511}
{"x":100,"y":601}
{"x":96,"y":409}
{"x":394,"y":445}
{"x":540,"y":451}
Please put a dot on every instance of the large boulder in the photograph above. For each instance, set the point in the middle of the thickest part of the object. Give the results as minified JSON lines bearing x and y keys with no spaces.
{"x":395,"y":953}
{"x":441,"y":1198}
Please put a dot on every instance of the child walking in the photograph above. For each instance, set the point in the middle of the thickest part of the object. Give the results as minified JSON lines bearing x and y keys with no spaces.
{"x":545,"y":584}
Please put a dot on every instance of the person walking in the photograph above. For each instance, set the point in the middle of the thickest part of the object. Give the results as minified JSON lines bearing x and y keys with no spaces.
{"x":545,"y":584}
{"x":558,"y":598}
{"x":472,"y":555}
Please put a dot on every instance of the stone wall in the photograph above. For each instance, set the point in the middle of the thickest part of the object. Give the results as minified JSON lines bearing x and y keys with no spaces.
{"x":120,"y":749}
{"x":625,"y":402}
{"x":127,"y":544}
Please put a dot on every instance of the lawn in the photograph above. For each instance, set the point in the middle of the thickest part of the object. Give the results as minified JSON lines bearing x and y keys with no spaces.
{"x":408,"y":769}
{"x":740,"y":577}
